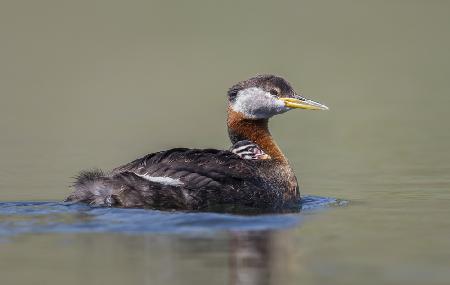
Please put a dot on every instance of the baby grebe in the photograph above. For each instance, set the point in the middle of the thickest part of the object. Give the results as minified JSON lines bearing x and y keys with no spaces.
{"x":253,"y":174}
{"x":248,"y":150}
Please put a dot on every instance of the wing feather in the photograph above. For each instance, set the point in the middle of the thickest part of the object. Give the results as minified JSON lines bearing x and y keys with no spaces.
{"x":194,"y":167}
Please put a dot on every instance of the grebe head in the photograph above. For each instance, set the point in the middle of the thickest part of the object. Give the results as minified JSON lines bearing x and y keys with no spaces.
{"x":264,"y":96}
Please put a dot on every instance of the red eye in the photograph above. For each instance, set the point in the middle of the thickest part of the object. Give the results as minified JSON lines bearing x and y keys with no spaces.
{"x":274,"y":92}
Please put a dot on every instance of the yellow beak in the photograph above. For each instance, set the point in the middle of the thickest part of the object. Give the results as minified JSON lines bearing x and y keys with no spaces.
{"x":303,"y":103}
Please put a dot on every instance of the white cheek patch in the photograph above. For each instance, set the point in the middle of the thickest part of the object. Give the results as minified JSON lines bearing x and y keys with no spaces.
{"x":256,"y":103}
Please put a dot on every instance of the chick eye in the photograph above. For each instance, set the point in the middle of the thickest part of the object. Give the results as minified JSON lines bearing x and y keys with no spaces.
{"x":274,"y":92}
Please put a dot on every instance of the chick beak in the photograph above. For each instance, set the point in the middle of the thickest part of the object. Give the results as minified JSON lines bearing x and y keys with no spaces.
{"x":302,"y":103}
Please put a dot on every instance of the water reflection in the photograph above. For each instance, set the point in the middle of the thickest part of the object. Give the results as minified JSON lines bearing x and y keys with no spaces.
{"x":149,"y":247}
{"x":250,"y":258}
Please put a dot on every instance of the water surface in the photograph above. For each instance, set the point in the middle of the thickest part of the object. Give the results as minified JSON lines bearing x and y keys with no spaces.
{"x":58,"y":217}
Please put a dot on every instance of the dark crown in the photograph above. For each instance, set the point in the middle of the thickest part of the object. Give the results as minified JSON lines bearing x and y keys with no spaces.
{"x":268,"y":82}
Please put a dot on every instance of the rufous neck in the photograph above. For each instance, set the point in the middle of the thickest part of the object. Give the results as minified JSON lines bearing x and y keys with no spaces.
{"x":255,"y":130}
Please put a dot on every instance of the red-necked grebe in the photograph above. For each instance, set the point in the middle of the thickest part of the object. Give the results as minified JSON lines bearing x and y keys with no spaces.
{"x":254,"y":173}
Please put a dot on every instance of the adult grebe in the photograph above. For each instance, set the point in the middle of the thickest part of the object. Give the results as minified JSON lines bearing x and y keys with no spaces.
{"x":253,"y":174}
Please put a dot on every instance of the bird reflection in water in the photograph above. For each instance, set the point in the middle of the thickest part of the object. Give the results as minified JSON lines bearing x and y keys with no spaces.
{"x":250,"y":258}
{"x":262,"y":257}
{"x":236,"y":257}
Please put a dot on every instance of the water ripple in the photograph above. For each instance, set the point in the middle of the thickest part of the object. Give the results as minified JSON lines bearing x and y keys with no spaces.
{"x":58,"y":217}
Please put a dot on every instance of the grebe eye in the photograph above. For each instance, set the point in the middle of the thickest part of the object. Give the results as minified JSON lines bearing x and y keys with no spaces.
{"x":274,"y":92}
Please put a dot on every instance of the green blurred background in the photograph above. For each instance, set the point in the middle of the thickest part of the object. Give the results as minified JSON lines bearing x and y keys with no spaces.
{"x":94,"y":84}
{"x":97,"y":83}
